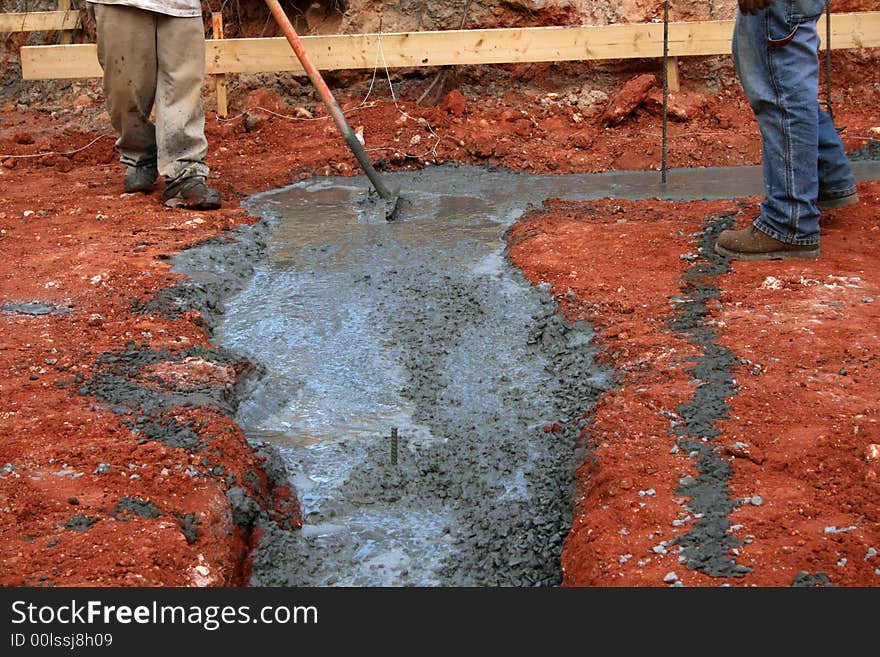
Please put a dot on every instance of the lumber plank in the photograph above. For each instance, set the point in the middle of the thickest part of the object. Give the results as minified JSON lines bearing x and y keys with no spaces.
{"x":454,"y":47}
{"x":39,"y":21}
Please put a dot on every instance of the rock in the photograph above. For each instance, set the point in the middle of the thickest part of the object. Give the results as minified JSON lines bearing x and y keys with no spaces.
{"x":583,"y":139}
{"x":680,"y":105}
{"x":589,"y":99}
{"x":254,"y":121}
{"x":744,"y":451}
{"x":480,"y":145}
{"x":523,"y":127}
{"x":631,"y":96}
{"x":265,"y":99}
{"x":83,"y":100}
{"x":227,"y":129}
{"x":63,"y":164}
{"x":454,"y":103}
{"x":23,"y":137}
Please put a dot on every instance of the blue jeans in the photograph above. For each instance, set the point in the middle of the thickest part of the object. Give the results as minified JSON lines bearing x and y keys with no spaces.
{"x":776,"y":56}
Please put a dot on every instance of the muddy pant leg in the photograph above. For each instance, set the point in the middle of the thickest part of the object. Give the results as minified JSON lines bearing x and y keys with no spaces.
{"x":180,"y":115}
{"x":127,"y":54}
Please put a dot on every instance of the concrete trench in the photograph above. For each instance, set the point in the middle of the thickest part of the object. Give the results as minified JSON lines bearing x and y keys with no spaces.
{"x":359,"y":327}
{"x":418,"y":326}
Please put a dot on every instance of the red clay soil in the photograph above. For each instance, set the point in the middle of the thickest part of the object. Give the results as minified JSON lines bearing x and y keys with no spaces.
{"x":89,"y":499}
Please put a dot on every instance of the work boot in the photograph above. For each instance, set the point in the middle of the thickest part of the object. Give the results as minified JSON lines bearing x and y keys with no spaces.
{"x":832,"y":202}
{"x":140,"y":179}
{"x":752,"y":244}
{"x":192,"y":193}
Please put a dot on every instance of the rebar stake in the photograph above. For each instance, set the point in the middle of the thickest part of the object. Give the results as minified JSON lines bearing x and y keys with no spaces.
{"x":828,"y":59}
{"x":394,"y":446}
{"x":665,"y":88}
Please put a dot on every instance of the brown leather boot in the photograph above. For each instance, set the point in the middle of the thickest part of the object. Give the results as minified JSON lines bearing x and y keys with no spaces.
{"x":751,"y":244}
{"x":830,"y":202}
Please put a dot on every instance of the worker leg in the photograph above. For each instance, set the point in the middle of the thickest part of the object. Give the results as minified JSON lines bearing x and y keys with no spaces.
{"x":776,"y":55}
{"x":127,"y":54}
{"x":180,"y":115}
{"x":836,"y":177}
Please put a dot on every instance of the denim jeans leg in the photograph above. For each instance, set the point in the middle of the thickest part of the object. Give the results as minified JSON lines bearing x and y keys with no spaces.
{"x":776,"y":55}
{"x":836,"y":177}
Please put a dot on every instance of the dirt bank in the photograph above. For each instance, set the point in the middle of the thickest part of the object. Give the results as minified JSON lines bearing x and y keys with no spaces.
{"x":741,"y":446}
{"x":119,"y":464}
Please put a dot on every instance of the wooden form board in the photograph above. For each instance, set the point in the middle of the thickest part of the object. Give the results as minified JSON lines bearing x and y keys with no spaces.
{"x":454,"y":47}
{"x":222,"y":89}
{"x":40,"y":21}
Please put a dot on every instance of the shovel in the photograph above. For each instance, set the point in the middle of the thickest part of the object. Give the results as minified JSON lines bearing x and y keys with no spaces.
{"x":389,"y":199}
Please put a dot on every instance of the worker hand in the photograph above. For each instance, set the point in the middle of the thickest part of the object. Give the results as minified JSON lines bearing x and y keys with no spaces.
{"x":753,"y":7}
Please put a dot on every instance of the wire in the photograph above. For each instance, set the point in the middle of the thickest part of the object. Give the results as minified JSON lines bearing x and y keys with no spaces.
{"x":66,"y":154}
{"x":380,"y":54}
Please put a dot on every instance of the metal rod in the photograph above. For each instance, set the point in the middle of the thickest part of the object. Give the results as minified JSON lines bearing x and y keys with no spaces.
{"x":665,"y":86}
{"x":332,"y":106}
{"x":828,"y":59}
{"x":393,"y":445}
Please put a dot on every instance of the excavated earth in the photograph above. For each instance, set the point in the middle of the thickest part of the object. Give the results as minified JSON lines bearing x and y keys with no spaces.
{"x":739,"y":444}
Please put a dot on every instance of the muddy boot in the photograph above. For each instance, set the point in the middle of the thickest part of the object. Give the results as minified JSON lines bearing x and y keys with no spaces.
{"x":192,"y":193}
{"x":752,"y":244}
{"x":140,"y":179}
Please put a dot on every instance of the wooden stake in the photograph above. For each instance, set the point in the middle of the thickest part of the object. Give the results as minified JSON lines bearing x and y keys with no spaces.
{"x":222,"y":89}
{"x":672,"y":73}
{"x":66,"y":35}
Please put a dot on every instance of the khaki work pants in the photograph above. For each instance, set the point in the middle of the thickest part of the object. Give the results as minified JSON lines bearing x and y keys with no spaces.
{"x":150,"y":58}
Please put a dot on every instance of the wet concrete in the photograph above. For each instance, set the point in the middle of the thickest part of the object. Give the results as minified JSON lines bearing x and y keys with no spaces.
{"x":418,"y":325}
{"x":708,"y":546}
{"x":150,"y":407}
{"x":360,"y":325}
{"x":33,"y":308}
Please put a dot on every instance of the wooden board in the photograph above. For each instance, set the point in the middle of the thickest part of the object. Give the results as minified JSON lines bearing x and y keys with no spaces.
{"x":454,"y":47}
{"x":40,"y":21}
